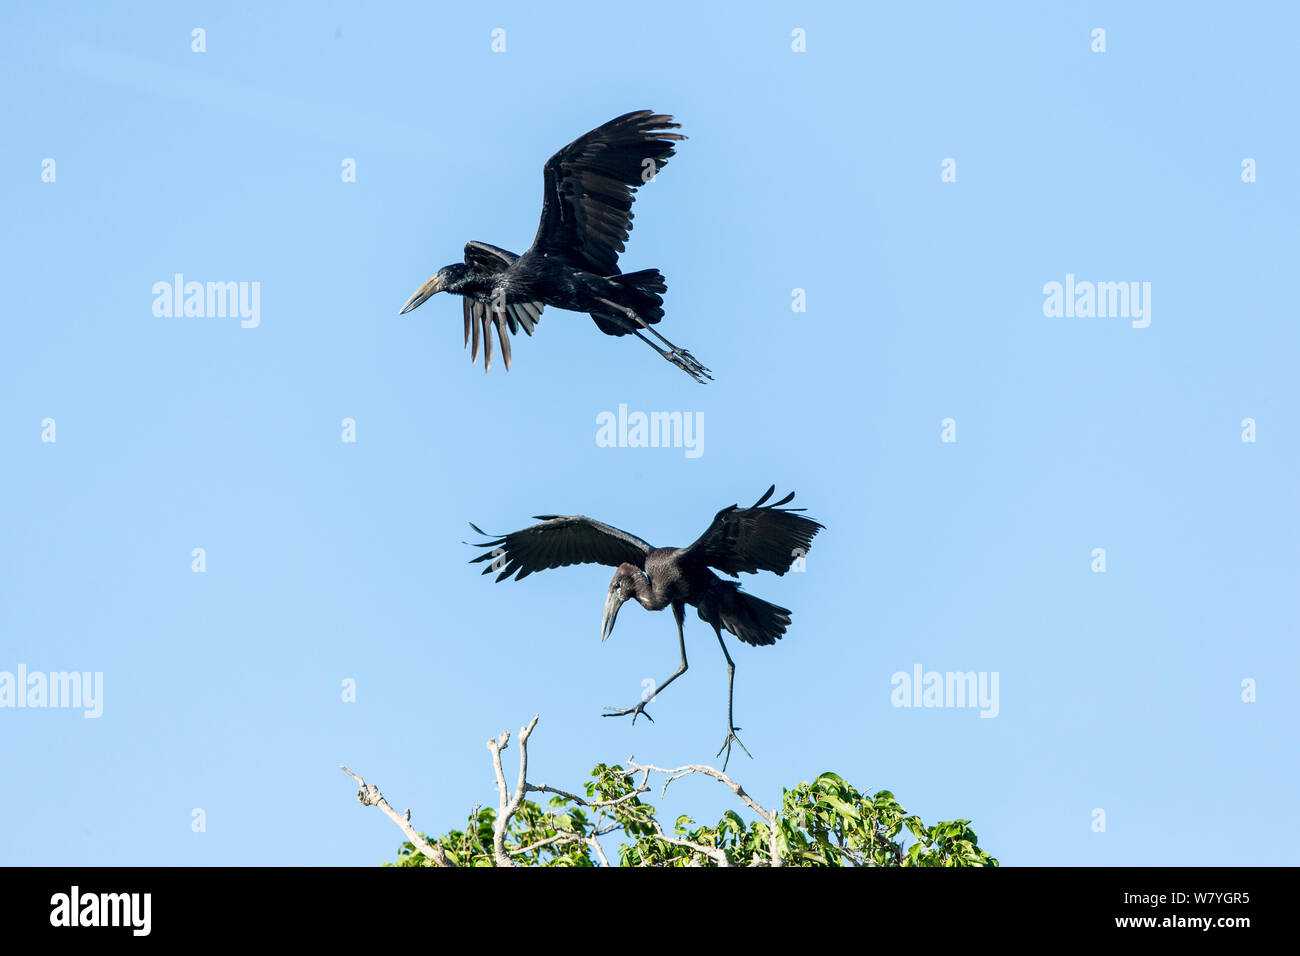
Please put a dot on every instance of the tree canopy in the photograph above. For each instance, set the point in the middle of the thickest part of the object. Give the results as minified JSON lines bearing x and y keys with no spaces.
{"x":827,"y":823}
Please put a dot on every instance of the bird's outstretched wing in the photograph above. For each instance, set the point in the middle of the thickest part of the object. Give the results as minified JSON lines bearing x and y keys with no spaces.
{"x":480,"y":315}
{"x":558,"y":541}
{"x":758,"y":538}
{"x":590,"y":185}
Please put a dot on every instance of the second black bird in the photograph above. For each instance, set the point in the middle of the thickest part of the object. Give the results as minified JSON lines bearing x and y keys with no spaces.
{"x":762,"y":537}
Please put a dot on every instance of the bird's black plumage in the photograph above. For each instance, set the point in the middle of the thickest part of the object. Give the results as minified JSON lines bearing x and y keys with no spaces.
{"x":572,"y":264}
{"x":762,"y":537}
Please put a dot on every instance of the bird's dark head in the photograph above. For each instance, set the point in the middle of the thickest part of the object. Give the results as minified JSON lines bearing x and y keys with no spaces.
{"x":623,"y":586}
{"x":448,"y":279}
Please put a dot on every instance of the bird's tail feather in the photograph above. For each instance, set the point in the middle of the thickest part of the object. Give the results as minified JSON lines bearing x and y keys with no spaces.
{"x":751,"y":619}
{"x":647,"y":280}
{"x":638,"y":291}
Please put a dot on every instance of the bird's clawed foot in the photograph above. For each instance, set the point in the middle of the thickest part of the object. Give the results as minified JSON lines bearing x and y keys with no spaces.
{"x":637,"y":711}
{"x":689,"y":364}
{"x":726,"y":745}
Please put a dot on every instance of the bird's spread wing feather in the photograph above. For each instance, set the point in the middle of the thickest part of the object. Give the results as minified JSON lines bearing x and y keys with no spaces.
{"x":758,"y":538}
{"x":590,"y":185}
{"x":558,"y":541}
{"x":481,"y":316}
{"x":487,"y":259}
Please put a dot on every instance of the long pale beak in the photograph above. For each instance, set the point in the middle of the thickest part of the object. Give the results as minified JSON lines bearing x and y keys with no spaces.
{"x":422,"y":293}
{"x":612,"y":603}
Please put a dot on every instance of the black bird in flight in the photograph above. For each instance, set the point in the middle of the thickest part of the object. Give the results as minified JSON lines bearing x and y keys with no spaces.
{"x":759,"y":538}
{"x":573,"y":261}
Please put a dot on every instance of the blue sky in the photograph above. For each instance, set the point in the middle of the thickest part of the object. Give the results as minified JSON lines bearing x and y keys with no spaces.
{"x":329,"y":561}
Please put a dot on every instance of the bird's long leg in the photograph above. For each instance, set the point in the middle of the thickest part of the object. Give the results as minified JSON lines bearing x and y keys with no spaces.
{"x":679,"y":613}
{"x":683,"y":359}
{"x":731,"y":723}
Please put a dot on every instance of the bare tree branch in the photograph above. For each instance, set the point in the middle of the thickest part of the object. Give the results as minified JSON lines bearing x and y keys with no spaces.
{"x":716,"y":854}
{"x":773,"y":846}
{"x":564,"y":836}
{"x":509,"y":804}
{"x":593,"y":804}
{"x":595,"y":845}
{"x":370,"y":796}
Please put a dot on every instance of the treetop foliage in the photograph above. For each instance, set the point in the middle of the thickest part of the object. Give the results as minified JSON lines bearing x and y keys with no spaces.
{"x":823,"y":823}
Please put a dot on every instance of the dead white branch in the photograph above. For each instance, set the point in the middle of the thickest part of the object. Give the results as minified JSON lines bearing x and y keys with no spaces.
{"x":773,"y":845}
{"x":509,"y":803}
{"x":370,"y":796}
